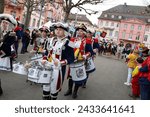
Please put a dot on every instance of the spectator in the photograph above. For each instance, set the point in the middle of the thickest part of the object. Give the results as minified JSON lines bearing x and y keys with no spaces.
{"x":19,"y":32}
{"x":25,"y":41}
{"x":131,"y":65}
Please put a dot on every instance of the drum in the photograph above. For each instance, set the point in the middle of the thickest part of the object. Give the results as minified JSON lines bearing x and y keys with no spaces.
{"x":45,"y":76}
{"x":19,"y":68}
{"x":36,"y":56}
{"x":5,"y":64}
{"x":77,"y":71}
{"x":89,"y":65}
{"x":33,"y":74}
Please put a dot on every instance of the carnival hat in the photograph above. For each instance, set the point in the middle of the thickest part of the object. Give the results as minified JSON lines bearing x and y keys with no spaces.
{"x":82,"y":27}
{"x":45,"y":29}
{"x":88,"y":31}
{"x":8,"y":18}
{"x":60,"y":25}
{"x":136,"y":51}
{"x":145,"y":50}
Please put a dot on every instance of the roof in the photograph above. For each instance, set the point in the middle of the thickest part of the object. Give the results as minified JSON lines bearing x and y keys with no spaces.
{"x":80,"y":17}
{"x":126,"y":12}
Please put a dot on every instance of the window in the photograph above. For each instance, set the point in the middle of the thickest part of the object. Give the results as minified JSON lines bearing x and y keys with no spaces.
{"x":117,"y":24}
{"x":105,"y":15}
{"x":139,"y":27}
{"x":132,"y":27}
{"x":148,"y":20}
{"x":116,"y":34}
{"x":138,"y":36}
{"x":110,"y":33}
{"x":123,"y":35}
{"x":14,"y":1}
{"x":33,"y":23}
{"x":101,"y":23}
{"x":112,"y":23}
{"x":49,"y":14}
{"x":147,"y":29}
{"x":125,"y":26}
{"x":145,"y":37}
{"x":112,"y":16}
{"x":106,"y":23}
{"x":120,"y":17}
{"x":13,"y":13}
{"x":130,"y":36}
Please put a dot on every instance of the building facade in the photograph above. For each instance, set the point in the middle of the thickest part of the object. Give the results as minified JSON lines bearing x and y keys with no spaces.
{"x":126,"y":23}
{"x":78,"y":19}
{"x":13,"y":8}
{"x":51,"y":12}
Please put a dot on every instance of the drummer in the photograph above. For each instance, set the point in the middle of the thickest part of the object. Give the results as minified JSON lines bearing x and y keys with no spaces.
{"x":8,"y":41}
{"x":42,"y":41}
{"x":92,"y":47}
{"x":80,"y":55}
{"x":60,"y":54}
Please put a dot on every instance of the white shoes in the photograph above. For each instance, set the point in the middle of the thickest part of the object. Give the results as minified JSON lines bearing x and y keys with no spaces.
{"x":127,"y":83}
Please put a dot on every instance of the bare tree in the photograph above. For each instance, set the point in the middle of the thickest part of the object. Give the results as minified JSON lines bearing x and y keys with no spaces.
{"x":30,"y":6}
{"x":2,"y":2}
{"x":68,"y":5}
{"x":147,"y":3}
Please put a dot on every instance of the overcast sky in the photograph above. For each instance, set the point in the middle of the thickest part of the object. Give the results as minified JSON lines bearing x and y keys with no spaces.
{"x":109,"y":4}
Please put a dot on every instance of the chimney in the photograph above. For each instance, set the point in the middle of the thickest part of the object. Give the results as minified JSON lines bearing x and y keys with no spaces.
{"x":125,"y":4}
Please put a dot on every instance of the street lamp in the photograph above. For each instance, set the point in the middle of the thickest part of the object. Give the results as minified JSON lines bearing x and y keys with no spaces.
{"x":76,"y":18}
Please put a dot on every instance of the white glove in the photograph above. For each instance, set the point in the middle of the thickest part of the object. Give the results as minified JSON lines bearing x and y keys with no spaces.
{"x":84,"y":56}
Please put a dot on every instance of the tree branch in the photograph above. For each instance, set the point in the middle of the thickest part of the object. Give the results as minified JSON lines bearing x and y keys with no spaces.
{"x":88,"y":11}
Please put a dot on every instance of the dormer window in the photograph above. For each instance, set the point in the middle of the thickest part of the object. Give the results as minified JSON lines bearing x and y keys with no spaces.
{"x":120,"y":17}
{"x":112,"y":16}
{"x":105,"y":15}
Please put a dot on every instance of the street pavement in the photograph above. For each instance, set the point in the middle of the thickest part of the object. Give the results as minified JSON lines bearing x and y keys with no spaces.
{"x":106,"y":83}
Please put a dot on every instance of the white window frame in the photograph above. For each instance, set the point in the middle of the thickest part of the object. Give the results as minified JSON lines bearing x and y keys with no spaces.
{"x":123,"y":35}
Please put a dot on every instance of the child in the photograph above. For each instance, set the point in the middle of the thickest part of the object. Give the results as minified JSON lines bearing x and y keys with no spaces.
{"x":135,"y":79}
{"x":131,"y":65}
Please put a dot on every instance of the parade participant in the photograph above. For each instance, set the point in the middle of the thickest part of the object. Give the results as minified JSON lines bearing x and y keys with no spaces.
{"x":144,"y":76}
{"x":41,"y":41}
{"x":33,"y":35}
{"x":92,"y":47}
{"x":19,"y":32}
{"x":131,"y":65}
{"x":8,"y":38}
{"x":42,"y":44}
{"x":119,"y":50}
{"x":8,"y":41}
{"x":77,"y":69}
{"x":61,"y":54}
{"x":135,"y":79}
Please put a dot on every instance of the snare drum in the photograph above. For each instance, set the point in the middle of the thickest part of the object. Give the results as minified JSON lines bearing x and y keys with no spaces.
{"x":89,"y":66}
{"x":45,"y":76}
{"x":19,"y":68}
{"x":77,"y":71}
{"x":37,"y":56}
{"x":5,"y":64}
{"x":33,"y":74}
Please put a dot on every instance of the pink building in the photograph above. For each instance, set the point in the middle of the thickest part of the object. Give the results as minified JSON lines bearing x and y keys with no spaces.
{"x":132,"y":31}
{"x":127,"y":23}
{"x":13,"y":8}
